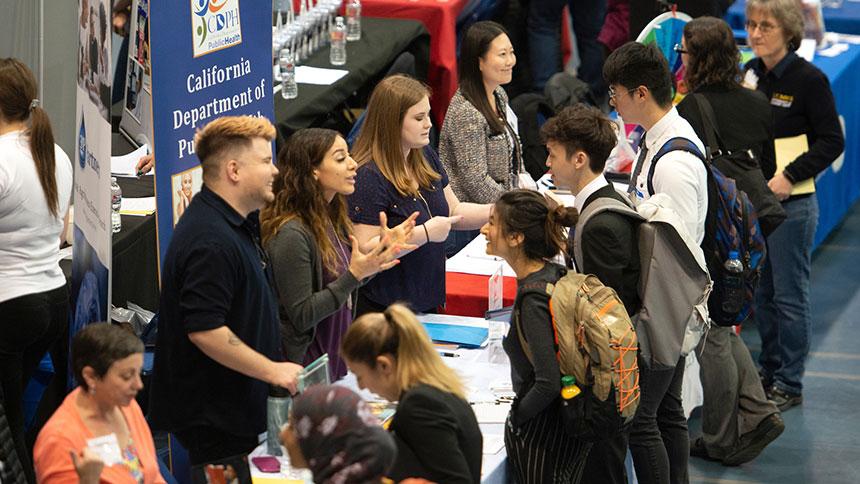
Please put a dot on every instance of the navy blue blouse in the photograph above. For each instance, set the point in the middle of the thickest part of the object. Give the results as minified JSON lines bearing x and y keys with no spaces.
{"x":419,"y":279}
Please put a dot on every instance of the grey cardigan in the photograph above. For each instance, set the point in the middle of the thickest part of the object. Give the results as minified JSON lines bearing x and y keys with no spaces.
{"x":303,"y":301}
{"x":478,"y":162}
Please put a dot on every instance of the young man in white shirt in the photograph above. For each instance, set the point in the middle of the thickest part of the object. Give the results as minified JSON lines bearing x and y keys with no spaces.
{"x":640,"y":89}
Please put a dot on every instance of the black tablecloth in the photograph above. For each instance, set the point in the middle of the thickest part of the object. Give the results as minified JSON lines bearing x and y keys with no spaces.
{"x":382,"y":40}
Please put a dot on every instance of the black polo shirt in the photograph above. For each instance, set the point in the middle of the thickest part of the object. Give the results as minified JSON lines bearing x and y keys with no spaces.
{"x":214,"y":274}
{"x":802,"y":103}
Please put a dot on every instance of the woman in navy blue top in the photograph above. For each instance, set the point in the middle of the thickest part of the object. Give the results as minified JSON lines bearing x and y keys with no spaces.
{"x":398,"y":177}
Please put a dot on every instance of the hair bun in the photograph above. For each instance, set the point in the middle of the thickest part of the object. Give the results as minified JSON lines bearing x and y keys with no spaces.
{"x":564,"y":216}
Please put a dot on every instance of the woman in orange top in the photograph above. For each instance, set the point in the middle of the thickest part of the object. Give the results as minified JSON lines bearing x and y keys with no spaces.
{"x":107,"y":361}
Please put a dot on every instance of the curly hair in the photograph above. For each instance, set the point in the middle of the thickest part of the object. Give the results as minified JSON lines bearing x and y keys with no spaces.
{"x":713,"y":56}
{"x":527,"y":212}
{"x":299,"y":195}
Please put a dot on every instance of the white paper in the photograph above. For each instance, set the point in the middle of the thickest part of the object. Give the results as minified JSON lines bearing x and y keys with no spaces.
{"x":137,"y":206}
{"x":491,"y":412}
{"x":318,"y":75}
{"x":106,"y":448}
{"x":493,"y":443}
{"x":833,"y":50}
{"x":126,"y":165}
{"x":473,"y":259}
{"x":807,"y":49}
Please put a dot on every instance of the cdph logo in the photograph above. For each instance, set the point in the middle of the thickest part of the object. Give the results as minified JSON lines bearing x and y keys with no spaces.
{"x":215,"y":25}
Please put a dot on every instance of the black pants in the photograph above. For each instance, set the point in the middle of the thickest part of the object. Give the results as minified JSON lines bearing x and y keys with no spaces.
{"x":208,"y":444}
{"x":605,"y":463}
{"x":30,"y":325}
{"x":659,"y":441}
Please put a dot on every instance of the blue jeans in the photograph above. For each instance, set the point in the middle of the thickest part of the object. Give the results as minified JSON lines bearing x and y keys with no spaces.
{"x":782,"y":299}
{"x":544,"y":42}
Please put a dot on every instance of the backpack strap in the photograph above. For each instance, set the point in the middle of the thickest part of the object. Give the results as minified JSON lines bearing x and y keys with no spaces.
{"x":547,"y":289}
{"x":674,"y":144}
{"x":594,"y":208}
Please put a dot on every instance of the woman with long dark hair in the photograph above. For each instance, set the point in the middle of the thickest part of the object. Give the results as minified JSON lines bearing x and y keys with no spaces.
{"x":737,"y":419}
{"x":478,"y":145}
{"x":35,"y":190}
{"x":527,"y":233}
{"x":317,"y":264}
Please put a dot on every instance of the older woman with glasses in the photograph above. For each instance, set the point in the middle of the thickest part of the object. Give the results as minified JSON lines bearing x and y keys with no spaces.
{"x":802,"y":105}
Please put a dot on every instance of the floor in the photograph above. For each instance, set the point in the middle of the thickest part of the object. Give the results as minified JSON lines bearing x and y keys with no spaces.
{"x":821,"y":442}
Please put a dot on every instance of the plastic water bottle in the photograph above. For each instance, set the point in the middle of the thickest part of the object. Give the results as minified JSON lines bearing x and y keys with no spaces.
{"x":569,"y":389}
{"x":733,"y":284}
{"x":277,"y":412}
{"x":115,"y":204}
{"x":337,"y":55}
{"x":353,"y":20}
{"x":287,"y":66}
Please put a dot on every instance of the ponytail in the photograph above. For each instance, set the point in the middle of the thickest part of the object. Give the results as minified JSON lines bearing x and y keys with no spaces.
{"x":17,"y":104}
{"x":42,"y":149}
{"x":527,"y":212}
{"x":398,"y":333}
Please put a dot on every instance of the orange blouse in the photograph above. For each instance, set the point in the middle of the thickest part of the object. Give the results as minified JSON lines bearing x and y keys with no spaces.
{"x":66,"y":431}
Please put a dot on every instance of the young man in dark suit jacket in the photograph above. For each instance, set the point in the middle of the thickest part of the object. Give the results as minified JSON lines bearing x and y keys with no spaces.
{"x":579,"y":139}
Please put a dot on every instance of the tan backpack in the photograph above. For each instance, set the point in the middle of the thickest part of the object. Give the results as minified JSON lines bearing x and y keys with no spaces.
{"x":595,"y":340}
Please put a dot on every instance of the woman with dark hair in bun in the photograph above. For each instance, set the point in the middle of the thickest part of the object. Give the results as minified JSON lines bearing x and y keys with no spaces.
{"x":527,"y":233}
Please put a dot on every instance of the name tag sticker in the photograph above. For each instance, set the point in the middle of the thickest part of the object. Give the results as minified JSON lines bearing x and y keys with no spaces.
{"x":781,"y":100}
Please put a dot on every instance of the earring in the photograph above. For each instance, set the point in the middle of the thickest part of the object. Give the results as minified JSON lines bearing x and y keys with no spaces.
{"x":92,"y":390}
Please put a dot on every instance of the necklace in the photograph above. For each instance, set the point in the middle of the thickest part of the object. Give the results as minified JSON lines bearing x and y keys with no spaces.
{"x":342,"y":256}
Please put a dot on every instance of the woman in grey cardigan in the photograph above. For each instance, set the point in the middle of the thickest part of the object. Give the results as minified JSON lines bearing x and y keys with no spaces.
{"x":314,"y":256}
{"x":478,"y":146}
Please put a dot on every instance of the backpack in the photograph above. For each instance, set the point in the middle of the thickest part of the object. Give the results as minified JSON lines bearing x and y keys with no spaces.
{"x":741,"y":166}
{"x":596,"y":343}
{"x":532,"y":111}
{"x":674,"y":284}
{"x":731,"y":224}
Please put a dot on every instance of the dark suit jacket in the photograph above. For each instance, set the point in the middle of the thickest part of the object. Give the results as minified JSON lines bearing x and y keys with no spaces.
{"x":610,"y":251}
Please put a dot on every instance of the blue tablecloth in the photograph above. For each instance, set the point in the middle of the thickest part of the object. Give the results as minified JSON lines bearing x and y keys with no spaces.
{"x":845,"y":20}
{"x":838,"y":187}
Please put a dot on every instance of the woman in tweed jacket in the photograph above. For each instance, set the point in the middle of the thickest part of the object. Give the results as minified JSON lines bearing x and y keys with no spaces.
{"x":478,"y":147}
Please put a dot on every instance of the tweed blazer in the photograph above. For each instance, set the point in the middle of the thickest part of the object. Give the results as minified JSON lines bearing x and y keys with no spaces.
{"x":478,"y":162}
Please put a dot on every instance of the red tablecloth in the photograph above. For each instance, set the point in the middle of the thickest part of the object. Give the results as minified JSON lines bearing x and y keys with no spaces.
{"x":466,"y":294}
{"x":440,"y":18}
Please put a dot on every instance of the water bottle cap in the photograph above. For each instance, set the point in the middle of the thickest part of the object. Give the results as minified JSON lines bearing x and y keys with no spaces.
{"x":733,"y":254}
{"x":113,"y":179}
{"x":278,"y":392}
{"x":568,"y":380}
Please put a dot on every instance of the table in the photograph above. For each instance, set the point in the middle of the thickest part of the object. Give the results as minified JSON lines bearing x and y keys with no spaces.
{"x":467,"y":294}
{"x":382,"y":40}
{"x":845,"y":20}
{"x":440,"y":18}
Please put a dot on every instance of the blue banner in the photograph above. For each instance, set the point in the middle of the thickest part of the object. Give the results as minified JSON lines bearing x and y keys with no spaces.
{"x":210,"y":58}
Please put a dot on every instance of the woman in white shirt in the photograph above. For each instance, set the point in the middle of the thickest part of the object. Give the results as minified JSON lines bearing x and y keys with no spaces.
{"x":35,"y":188}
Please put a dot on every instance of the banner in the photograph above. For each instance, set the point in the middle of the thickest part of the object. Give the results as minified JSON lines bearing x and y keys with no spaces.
{"x":91,"y":250}
{"x":210,"y":58}
{"x":137,"y":102}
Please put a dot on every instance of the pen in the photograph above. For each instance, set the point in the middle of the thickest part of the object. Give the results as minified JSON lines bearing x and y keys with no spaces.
{"x":449,"y":354}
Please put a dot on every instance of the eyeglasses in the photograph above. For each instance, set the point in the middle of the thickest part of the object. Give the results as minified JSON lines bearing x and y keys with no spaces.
{"x":680,"y":49}
{"x":612,"y":92}
{"x":763,"y":27}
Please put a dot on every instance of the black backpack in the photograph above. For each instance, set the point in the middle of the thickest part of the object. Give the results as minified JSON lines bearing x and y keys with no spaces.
{"x":532,"y":111}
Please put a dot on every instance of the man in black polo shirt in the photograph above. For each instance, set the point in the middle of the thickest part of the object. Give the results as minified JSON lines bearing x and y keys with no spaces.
{"x":579,"y":139}
{"x":218,"y":328}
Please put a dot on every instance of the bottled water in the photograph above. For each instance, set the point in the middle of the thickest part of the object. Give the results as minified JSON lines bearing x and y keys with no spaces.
{"x":337,"y":56}
{"x":733,"y":284}
{"x":115,"y":204}
{"x":353,"y":20}
{"x":287,"y":66}
{"x":277,"y":411}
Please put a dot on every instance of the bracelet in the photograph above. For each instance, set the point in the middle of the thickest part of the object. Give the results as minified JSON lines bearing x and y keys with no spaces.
{"x":426,"y":232}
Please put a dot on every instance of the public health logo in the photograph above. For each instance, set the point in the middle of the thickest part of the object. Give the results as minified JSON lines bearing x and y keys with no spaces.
{"x":82,"y":143}
{"x":215,"y":25}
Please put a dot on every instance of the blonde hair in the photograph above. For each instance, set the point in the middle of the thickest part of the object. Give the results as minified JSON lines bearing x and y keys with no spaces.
{"x":380,"y":138}
{"x":224,"y":135}
{"x":398,"y":333}
{"x":788,"y":13}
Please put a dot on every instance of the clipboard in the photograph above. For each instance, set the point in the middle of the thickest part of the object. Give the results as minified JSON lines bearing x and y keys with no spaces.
{"x":787,"y":150}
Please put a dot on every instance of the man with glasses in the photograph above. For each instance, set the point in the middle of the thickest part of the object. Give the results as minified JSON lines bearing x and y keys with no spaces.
{"x":218,"y":330}
{"x":641,"y":90}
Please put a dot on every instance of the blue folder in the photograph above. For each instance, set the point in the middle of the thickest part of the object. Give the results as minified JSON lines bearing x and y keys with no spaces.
{"x":465,"y":336}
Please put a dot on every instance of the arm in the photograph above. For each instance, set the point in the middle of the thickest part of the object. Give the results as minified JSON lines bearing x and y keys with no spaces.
{"x":681,"y":175}
{"x":427,"y":429}
{"x":291,"y":254}
{"x":223,"y":346}
{"x":465,"y":156}
{"x":537,"y":330}
{"x":474,"y":215}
